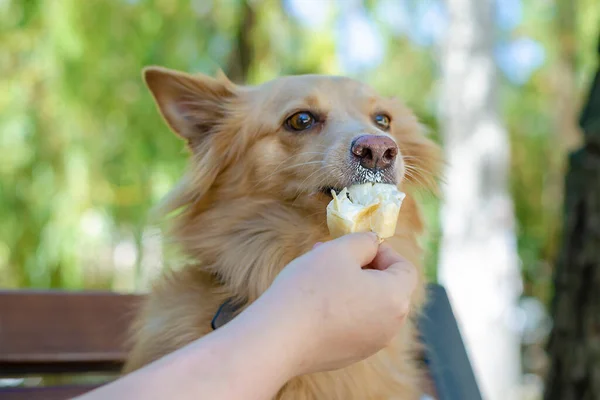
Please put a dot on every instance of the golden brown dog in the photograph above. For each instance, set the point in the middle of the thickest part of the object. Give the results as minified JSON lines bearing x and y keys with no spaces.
{"x":263,"y":162}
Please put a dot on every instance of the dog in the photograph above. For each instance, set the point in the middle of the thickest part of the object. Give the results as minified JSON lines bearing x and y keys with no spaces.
{"x":263,"y":162}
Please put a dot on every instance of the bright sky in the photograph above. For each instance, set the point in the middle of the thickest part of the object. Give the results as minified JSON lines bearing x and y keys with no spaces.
{"x":360,"y":45}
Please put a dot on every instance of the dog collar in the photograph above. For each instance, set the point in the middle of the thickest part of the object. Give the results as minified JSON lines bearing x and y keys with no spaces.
{"x":224,"y":314}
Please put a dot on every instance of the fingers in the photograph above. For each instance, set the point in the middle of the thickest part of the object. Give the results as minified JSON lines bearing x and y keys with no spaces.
{"x":360,"y":246}
{"x":403,"y":276}
{"x":396,"y":270}
{"x":385,"y":257}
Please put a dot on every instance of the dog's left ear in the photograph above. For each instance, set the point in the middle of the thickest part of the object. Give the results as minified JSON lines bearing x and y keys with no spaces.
{"x":192,"y":106}
{"x":195,"y":108}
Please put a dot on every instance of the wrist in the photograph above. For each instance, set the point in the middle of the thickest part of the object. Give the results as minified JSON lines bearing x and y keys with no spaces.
{"x":260,"y":347}
{"x":278,"y":331}
{"x":287,"y":327}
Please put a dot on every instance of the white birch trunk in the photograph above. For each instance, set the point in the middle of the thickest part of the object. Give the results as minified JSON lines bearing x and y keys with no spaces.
{"x":478,"y":258}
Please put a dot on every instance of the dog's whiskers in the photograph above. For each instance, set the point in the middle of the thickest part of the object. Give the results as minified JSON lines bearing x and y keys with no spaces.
{"x":286,"y":168}
{"x":276,"y":169}
{"x":419,"y":176}
{"x":301,"y":190}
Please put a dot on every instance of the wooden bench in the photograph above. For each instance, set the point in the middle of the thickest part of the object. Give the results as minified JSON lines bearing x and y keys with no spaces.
{"x":57,"y":334}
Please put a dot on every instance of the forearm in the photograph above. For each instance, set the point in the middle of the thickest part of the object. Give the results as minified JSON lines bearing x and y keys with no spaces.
{"x":248,"y":358}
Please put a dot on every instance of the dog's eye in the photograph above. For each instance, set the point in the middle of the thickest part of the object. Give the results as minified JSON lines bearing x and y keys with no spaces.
{"x":383,"y":121}
{"x":301,"y":121}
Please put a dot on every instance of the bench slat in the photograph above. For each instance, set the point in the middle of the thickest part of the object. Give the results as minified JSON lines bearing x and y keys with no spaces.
{"x":445,"y":353}
{"x":45,"y":393}
{"x":61,"y":332}
{"x":57,"y":331}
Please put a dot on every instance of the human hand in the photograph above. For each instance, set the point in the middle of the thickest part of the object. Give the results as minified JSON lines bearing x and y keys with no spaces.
{"x":338,"y":304}
{"x":341,"y":302}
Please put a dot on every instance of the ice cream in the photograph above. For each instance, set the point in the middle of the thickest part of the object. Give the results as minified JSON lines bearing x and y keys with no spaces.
{"x":363,"y":208}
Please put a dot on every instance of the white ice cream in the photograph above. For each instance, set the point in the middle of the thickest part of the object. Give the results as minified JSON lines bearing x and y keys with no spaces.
{"x":363,"y":208}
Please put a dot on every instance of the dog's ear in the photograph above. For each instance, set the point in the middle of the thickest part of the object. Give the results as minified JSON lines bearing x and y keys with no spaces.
{"x":193,"y":106}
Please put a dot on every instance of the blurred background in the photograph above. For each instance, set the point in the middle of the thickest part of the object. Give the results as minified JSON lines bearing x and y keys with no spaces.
{"x":84,"y":155}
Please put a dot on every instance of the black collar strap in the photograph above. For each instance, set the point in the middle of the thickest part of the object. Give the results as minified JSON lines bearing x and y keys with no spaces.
{"x":224,"y":314}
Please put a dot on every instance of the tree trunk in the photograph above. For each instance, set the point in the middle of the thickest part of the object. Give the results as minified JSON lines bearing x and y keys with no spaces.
{"x":574,"y":346}
{"x":478,"y":258}
{"x":565,"y":115}
{"x":242,"y":53}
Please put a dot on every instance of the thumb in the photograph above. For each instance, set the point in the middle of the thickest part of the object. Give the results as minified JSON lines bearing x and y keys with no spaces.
{"x":360,"y":246}
{"x":402,"y":275}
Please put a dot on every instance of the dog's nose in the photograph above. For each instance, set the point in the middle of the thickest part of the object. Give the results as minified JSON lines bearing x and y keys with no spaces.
{"x":374,"y":151}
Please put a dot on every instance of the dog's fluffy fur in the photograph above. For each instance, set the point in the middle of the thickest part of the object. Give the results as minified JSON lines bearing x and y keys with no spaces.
{"x":255,"y":197}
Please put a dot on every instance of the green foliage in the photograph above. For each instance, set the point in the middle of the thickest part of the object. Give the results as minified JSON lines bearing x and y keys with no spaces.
{"x":541,"y":117}
{"x":84,"y":155}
